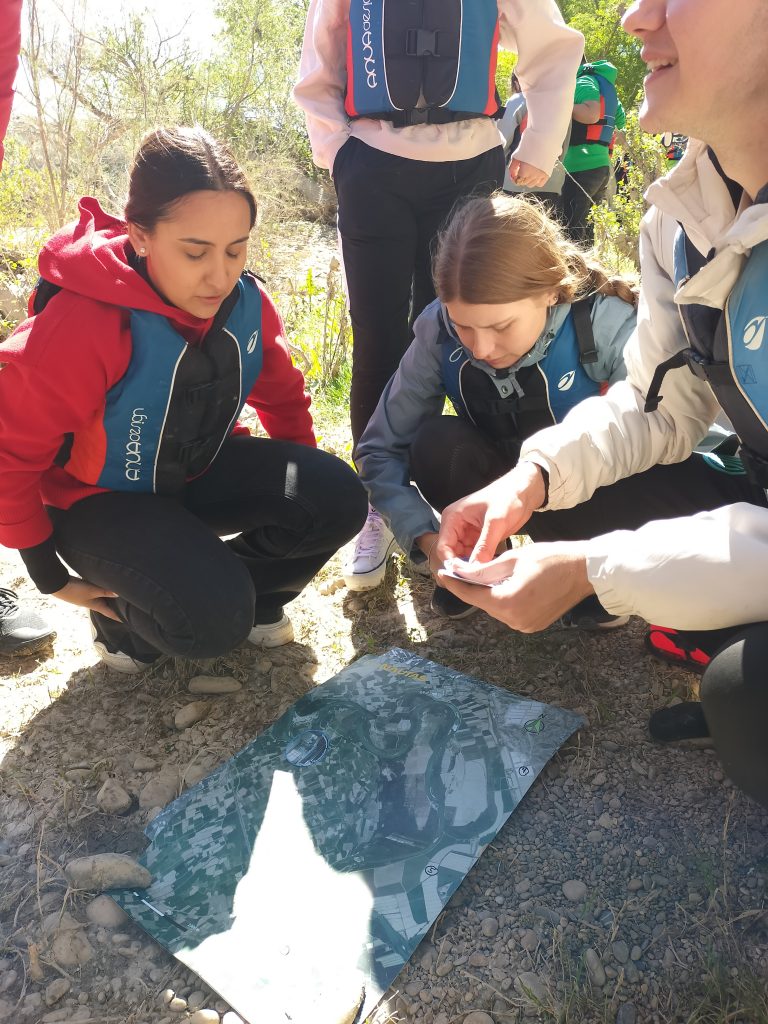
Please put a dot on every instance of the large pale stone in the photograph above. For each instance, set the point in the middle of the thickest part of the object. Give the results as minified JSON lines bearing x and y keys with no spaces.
{"x":113,"y":799}
{"x":106,"y":871}
{"x":214,"y":684}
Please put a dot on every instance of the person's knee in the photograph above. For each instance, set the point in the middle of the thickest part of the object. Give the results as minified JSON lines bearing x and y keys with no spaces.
{"x":215,"y":619}
{"x":340,"y":499}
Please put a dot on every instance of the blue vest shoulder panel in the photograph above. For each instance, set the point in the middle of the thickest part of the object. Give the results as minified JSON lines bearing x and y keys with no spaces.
{"x":746,"y":312}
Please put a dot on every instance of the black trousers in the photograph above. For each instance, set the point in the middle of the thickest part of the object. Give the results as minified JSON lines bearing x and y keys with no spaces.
{"x":450,"y":458}
{"x":182,"y":590}
{"x":390,"y":209}
{"x":581,"y":191}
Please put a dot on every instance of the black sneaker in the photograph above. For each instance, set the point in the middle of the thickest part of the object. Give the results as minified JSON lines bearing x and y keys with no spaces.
{"x":684,"y":721}
{"x":589,"y":614}
{"x":22,"y":631}
{"x":445,"y":603}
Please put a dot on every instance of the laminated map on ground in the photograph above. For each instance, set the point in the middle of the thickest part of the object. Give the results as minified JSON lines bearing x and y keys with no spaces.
{"x":300,"y":876}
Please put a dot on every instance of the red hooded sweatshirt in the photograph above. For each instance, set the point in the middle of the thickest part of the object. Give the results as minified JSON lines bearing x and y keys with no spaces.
{"x":60,"y":364}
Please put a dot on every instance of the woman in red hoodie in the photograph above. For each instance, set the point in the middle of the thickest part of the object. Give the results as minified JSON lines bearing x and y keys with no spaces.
{"x":120,"y":452}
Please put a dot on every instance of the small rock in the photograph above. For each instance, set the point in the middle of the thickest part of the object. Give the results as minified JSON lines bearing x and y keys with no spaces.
{"x":595,"y":968}
{"x":142,"y":763}
{"x":627,"y":1014}
{"x":195,"y":1000}
{"x":478,"y":1017}
{"x":600,"y":779}
{"x":191,"y":713}
{"x":530,"y":940}
{"x":621,"y":951}
{"x":56,"y":990}
{"x":546,"y":915}
{"x":605,"y":821}
{"x":158,"y":792}
{"x":523,"y":886}
{"x":71,"y":949}
{"x":478,"y":960}
{"x":79,"y":776}
{"x":204,"y":1016}
{"x":530,"y":986}
{"x":107,"y":871}
{"x":113,"y":799}
{"x":105,"y":912}
{"x":443,"y":968}
{"x":634,"y":884}
{"x":166,"y":996}
{"x":214,"y":684}
{"x":636,"y":953}
{"x":177,"y":1005}
{"x":574,"y":890}
{"x":489,"y":927}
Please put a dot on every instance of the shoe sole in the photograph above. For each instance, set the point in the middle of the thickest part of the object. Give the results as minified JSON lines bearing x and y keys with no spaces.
{"x":374,"y":577}
{"x":124,"y":664}
{"x":454,"y":618}
{"x":669,"y":659}
{"x":278,"y":638}
{"x":25,"y":648}
{"x":597,"y":627}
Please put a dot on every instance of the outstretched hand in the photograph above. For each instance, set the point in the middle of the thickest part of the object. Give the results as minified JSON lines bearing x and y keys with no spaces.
{"x":88,"y":595}
{"x":533,"y":585}
{"x":473,"y":527}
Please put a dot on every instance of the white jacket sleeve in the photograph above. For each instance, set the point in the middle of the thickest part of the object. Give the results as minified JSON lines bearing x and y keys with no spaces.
{"x":549,"y":54}
{"x":609,"y":438}
{"x":705,"y":571}
{"x":322,"y":79}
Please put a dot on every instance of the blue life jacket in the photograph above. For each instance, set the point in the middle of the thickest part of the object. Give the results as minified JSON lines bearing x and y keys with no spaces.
{"x":728,"y":349}
{"x":165,"y":420}
{"x":516,"y":404}
{"x":431,"y":62}
{"x":602,"y":131}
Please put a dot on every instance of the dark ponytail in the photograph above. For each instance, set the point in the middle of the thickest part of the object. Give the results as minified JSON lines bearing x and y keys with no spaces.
{"x":172,"y":162}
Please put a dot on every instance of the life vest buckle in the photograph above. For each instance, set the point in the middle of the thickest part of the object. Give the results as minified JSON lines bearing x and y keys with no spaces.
{"x":422,"y":42}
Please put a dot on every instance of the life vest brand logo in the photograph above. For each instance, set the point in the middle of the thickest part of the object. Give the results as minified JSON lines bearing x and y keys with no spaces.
{"x":754,"y":333}
{"x":566,"y":381}
{"x":133,"y":447}
{"x":252,"y":342}
{"x":369,"y":59}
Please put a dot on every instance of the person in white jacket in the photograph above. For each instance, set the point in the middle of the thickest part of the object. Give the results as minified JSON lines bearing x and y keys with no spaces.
{"x":684,"y":539}
{"x":400,"y":103}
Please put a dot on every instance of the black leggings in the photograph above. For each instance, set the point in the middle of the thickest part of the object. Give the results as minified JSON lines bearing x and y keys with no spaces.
{"x":183,"y":591}
{"x":390,"y":209}
{"x":450,"y":458}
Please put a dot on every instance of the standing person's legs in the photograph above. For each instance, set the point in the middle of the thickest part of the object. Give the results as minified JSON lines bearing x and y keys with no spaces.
{"x":439,"y":187}
{"x":378,"y":240}
{"x":581,"y":191}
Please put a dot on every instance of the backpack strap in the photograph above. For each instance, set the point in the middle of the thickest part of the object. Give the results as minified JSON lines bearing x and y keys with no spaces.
{"x":581,"y":312}
{"x":43,"y":293}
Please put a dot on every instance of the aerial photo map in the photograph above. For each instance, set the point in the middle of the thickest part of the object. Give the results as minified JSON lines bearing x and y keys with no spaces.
{"x":300,"y":876}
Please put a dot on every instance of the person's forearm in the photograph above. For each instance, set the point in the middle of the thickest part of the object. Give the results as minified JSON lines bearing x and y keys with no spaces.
{"x":587,"y":112}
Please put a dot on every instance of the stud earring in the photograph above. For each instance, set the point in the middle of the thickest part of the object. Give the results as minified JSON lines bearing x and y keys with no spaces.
{"x":142,"y":252}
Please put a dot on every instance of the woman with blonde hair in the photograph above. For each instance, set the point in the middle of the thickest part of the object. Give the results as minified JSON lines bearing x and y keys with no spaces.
{"x":525,"y":326}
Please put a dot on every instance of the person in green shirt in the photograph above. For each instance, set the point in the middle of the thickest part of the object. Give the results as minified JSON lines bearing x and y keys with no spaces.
{"x":597,"y":116}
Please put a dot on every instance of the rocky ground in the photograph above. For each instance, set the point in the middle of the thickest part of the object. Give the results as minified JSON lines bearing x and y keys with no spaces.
{"x":629,"y":886}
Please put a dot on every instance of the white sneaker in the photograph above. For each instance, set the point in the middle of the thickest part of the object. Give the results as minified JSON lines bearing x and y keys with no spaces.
{"x":368,"y":564}
{"x":272,"y":634}
{"x":119,"y":661}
